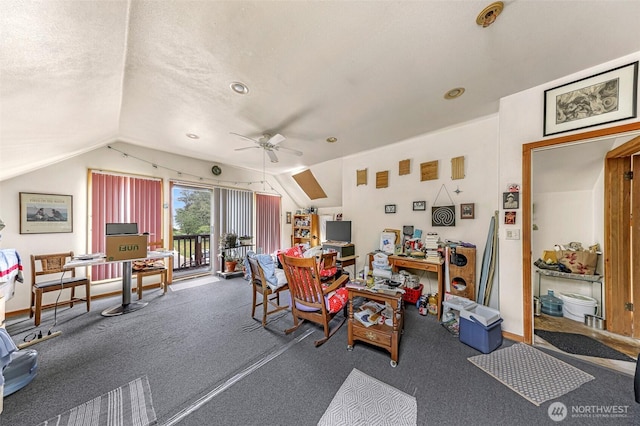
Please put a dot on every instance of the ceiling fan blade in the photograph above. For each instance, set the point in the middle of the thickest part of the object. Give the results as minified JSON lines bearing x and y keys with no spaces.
{"x":275,"y":140}
{"x":246,"y":147}
{"x":272,"y":156}
{"x":245,"y":137}
{"x":289,"y":150}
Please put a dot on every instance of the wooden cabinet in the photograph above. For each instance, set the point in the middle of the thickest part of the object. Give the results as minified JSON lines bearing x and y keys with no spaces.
{"x":306,"y":230}
{"x":385,"y":336}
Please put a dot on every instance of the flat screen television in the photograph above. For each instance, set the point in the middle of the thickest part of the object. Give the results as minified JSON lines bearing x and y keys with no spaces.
{"x":121,"y":229}
{"x":339,"y":230}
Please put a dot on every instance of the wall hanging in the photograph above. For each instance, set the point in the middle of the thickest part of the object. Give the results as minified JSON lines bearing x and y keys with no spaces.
{"x":457,"y":168}
{"x":603,"y":98}
{"x":382,"y":179}
{"x":467,"y":211}
{"x":390,"y":208}
{"x":443,"y":215}
{"x":429,"y":170}
{"x":404,"y":167}
{"x":419,"y":205}
{"x":45,"y":213}
{"x":361,"y":177}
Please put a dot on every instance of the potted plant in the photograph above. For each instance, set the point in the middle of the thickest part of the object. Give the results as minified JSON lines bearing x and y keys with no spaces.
{"x":231,"y":261}
{"x":228,"y":240}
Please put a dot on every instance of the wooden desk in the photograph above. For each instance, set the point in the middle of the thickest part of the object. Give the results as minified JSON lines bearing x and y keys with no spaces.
{"x":381,"y":335}
{"x":404,"y":262}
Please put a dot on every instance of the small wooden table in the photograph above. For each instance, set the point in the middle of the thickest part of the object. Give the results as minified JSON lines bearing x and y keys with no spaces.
{"x":406,"y":262}
{"x":381,"y":335}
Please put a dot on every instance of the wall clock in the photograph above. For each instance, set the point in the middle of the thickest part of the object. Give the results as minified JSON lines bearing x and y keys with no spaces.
{"x":216,"y":170}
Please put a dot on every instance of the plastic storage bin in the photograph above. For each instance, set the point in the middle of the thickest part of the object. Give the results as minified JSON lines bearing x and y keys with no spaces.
{"x":485,"y":338}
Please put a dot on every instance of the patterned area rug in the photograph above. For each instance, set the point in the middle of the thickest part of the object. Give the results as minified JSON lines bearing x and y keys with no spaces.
{"x":128,"y":405}
{"x":363,"y":400}
{"x":581,"y":345}
{"x":531,"y":373}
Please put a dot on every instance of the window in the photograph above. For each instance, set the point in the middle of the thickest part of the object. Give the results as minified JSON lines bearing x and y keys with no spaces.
{"x":126,"y":199}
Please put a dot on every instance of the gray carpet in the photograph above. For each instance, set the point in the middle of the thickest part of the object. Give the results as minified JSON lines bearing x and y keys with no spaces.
{"x":533,"y":374}
{"x":365,"y":401}
{"x":193,"y":341}
{"x":581,"y":345}
{"x":129,"y":405}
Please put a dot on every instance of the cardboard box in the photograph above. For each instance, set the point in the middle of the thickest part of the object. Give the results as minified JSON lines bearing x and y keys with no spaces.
{"x":126,"y":247}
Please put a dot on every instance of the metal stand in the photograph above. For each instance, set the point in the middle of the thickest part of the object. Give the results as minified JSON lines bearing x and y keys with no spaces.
{"x":127,"y":305}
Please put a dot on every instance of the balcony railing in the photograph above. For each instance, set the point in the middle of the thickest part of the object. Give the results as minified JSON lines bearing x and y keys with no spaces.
{"x":193,"y":252}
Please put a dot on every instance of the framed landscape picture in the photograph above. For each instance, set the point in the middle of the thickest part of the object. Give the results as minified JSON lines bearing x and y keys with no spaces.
{"x":45,"y":213}
{"x":419,"y":205}
{"x":603,"y":98}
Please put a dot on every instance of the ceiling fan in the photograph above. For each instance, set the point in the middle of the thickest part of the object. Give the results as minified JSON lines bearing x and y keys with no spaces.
{"x":269,"y":144}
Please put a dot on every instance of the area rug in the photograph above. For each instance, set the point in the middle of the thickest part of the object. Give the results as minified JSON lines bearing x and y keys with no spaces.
{"x":578,"y":344}
{"x":531,"y":373}
{"x":364,"y":400}
{"x":128,"y":405}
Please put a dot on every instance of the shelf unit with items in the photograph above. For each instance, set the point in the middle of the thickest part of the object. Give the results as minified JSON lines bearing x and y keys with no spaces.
{"x":591,"y":279}
{"x":305,"y":230}
{"x":241,"y":252}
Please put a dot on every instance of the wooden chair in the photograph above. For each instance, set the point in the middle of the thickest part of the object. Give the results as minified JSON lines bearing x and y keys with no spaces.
{"x":270,"y":297}
{"x":150,"y":267}
{"x":328,"y":266}
{"x":51,"y":268}
{"x":309,"y":298}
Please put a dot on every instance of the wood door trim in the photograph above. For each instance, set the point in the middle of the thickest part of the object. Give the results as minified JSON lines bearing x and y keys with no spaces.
{"x":527,"y":149}
{"x":635,"y":240}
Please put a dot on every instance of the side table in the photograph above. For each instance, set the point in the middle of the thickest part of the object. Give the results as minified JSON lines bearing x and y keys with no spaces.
{"x":381,"y":335}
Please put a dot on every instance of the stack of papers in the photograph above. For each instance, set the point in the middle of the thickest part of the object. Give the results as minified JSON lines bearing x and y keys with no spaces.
{"x":369,"y":313}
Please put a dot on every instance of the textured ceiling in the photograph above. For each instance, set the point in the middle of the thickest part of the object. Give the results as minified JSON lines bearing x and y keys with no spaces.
{"x":76,"y":75}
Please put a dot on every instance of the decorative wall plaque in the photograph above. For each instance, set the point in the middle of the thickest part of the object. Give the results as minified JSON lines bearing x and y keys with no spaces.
{"x":457,"y":168}
{"x":404,"y":167}
{"x":361,"y":177}
{"x":382,"y":179}
{"x":429,"y":170}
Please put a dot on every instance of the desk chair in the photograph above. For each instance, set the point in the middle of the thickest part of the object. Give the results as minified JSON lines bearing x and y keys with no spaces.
{"x":51,"y":268}
{"x":310,"y":299}
{"x":328,"y":267}
{"x":270,"y":295}
{"x":149,"y":267}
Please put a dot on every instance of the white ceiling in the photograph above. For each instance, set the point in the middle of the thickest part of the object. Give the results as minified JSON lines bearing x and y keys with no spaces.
{"x":76,"y":75}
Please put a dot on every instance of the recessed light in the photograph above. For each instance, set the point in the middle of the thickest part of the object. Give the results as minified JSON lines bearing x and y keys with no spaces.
{"x":454,"y":93}
{"x":489,"y":14}
{"x":239,"y":88}
{"x":332,"y":139}
{"x":192,"y":136}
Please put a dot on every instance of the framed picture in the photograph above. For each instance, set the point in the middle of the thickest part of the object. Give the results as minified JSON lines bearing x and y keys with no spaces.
{"x":419,"y":205}
{"x":510,"y":218}
{"x":288,"y":217}
{"x":467,"y":211}
{"x":390,"y":208}
{"x":510,"y":200}
{"x":45,"y":213}
{"x":602,"y":98}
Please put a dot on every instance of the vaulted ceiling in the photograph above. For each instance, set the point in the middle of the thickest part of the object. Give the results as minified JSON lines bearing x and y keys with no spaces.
{"x":76,"y":75}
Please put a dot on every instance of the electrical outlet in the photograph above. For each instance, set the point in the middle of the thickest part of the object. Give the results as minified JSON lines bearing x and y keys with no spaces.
{"x":512,"y":234}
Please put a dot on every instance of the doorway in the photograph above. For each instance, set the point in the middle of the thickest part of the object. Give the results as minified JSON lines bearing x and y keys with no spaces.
{"x":615,"y":257}
{"x":191,"y":208}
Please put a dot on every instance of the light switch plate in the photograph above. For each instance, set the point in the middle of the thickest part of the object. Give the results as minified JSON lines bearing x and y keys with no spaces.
{"x":512,"y":234}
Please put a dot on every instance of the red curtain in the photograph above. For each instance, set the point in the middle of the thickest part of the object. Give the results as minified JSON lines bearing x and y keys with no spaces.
{"x":122,"y":199}
{"x":267,"y":223}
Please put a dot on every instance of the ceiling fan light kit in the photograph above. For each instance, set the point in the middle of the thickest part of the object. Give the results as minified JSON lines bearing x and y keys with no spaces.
{"x":269,"y":144}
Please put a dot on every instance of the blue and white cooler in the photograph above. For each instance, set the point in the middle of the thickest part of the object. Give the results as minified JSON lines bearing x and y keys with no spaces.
{"x":480,"y":328}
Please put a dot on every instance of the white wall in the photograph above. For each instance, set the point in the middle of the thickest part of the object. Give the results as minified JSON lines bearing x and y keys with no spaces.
{"x":70,"y":178}
{"x":521,"y":118}
{"x":364,"y":204}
